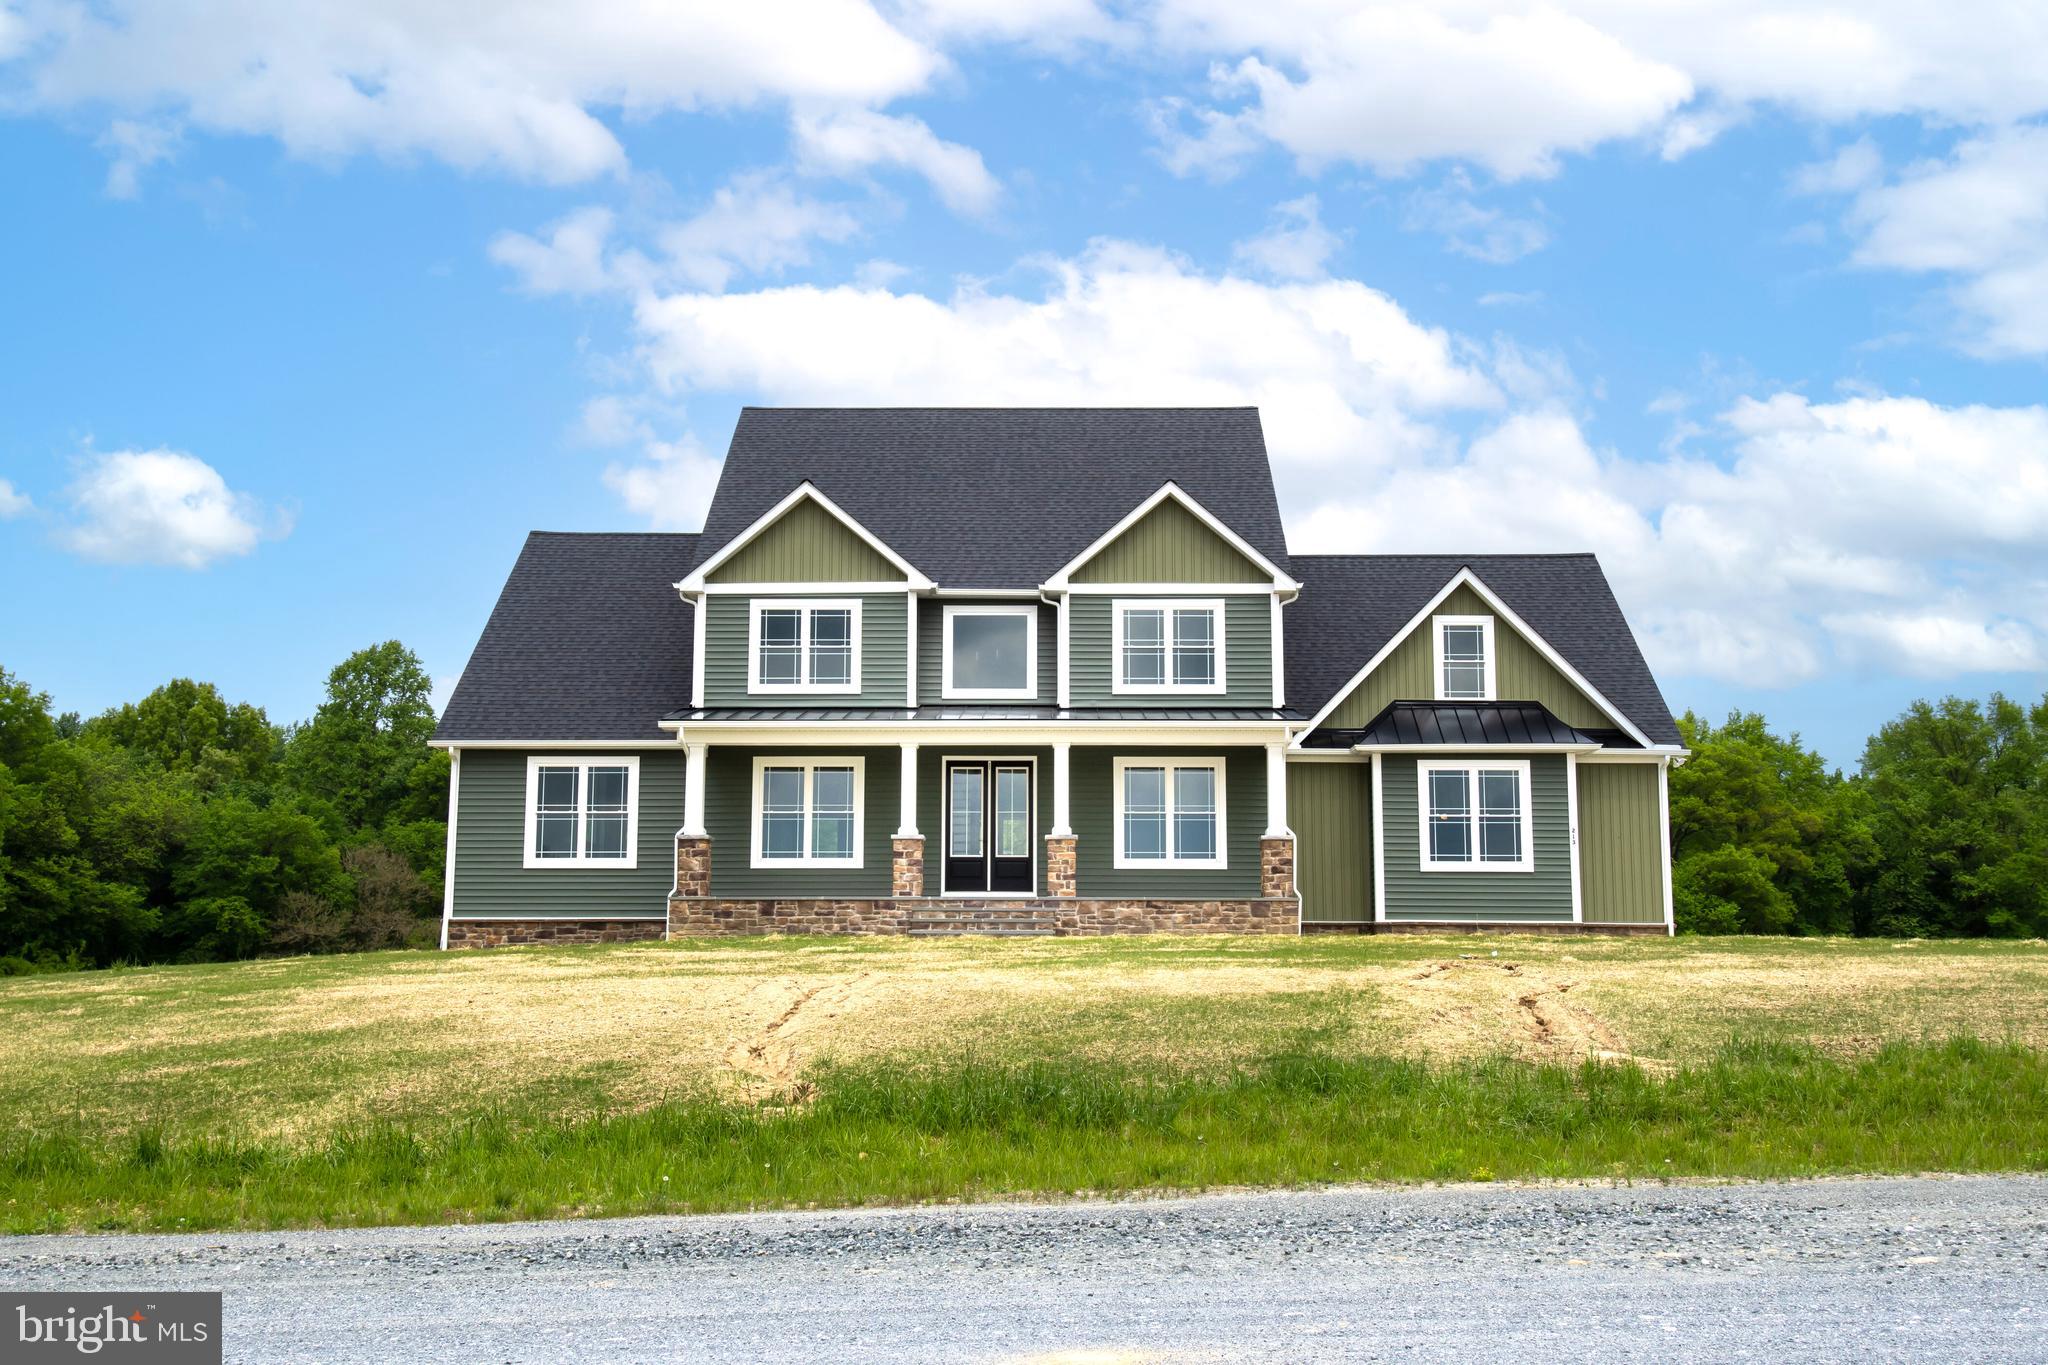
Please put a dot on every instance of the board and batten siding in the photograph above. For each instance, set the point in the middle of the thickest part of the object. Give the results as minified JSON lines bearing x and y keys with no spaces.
{"x":1092,"y":806}
{"x":931,"y":638}
{"x":729,"y":820}
{"x":807,"y":545}
{"x":1412,"y":894}
{"x":1329,"y":806}
{"x":1621,"y":844}
{"x":931,"y":804}
{"x":1248,"y":658}
{"x":1520,"y":673}
{"x":1169,"y":544}
{"x":491,"y":881}
{"x":884,"y":646}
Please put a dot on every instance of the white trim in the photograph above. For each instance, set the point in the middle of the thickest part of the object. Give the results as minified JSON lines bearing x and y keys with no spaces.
{"x":1632,"y":755}
{"x":1036,"y":841}
{"x":1379,"y":846}
{"x":1062,"y":791}
{"x":1118,"y":606}
{"x":1004,"y":732}
{"x":809,"y":765}
{"x":906,"y":792}
{"x":1169,"y":489}
{"x":1276,"y":793}
{"x":700,"y":634}
{"x":1279,"y":645}
{"x":1172,"y":589}
{"x":886,"y":586}
{"x":1571,"y":811}
{"x":695,"y":580}
{"x":553,"y":745}
{"x":1011,"y":594}
{"x":951,"y":611}
{"x":695,"y":763}
{"x":910,"y":663}
{"x":448,"y":873}
{"x":1472,"y":767}
{"x":1664,"y":833}
{"x":1123,"y":862}
{"x":1436,"y":655}
{"x":1466,"y":578}
{"x":805,"y":606}
{"x":1065,"y":690}
{"x":1466,"y":748}
{"x":530,"y":858}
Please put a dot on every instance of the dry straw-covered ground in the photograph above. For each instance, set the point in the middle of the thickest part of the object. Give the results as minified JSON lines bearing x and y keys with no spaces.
{"x":295,"y":1049}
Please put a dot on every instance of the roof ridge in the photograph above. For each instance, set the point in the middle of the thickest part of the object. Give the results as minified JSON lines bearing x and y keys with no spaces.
{"x":669,"y":535}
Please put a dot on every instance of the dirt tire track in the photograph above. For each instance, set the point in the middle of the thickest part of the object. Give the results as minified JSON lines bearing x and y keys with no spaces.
{"x":769,"y":1058}
{"x":1536,"y":1019}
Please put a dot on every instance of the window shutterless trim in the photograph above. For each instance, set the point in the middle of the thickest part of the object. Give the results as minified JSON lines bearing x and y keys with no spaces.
{"x":805,"y":607}
{"x":1124,"y":862}
{"x":1437,"y":660}
{"x":1118,"y":606}
{"x":583,"y":763}
{"x":952,"y":611}
{"x":810,"y":765}
{"x":1472,"y":768}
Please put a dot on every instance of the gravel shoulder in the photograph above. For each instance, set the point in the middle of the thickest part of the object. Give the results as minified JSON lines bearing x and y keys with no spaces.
{"x":1824,"y":1270}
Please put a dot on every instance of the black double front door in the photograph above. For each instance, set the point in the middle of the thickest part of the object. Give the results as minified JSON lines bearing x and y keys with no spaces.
{"x":988,"y":826}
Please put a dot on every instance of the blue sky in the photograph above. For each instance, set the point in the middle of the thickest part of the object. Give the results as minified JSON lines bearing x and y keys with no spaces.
{"x":312,"y":315}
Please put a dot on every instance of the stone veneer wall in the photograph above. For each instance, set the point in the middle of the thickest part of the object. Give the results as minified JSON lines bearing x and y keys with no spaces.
{"x":693,"y":867}
{"x":1276,"y":867}
{"x":1060,"y":858}
{"x":499,"y":933}
{"x":690,"y":917}
{"x":907,"y":873}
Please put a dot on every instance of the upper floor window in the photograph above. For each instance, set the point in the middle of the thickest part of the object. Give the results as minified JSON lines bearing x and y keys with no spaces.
{"x":1172,"y":646}
{"x":990,"y":653}
{"x":807,"y":812}
{"x":582,"y":812}
{"x":1169,"y":813}
{"x":1464,"y":658}
{"x":1475,"y":816}
{"x":804,"y":645}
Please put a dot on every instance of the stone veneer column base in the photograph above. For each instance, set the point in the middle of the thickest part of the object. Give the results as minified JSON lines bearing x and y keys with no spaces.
{"x":907,"y":867}
{"x":1059,"y":867}
{"x":692,"y":917}
{"x":501,"y":933}
{"x":1276,"y":867}
{"x":693,"y":866}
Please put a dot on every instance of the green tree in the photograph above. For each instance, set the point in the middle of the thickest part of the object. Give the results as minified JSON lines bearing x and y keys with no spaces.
{"x":239,"y":863}
{"x":188,"y":726}
{"x":360,"y":751}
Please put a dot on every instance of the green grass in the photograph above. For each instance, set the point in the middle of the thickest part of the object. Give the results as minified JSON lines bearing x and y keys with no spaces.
{"x":965,"y":1129}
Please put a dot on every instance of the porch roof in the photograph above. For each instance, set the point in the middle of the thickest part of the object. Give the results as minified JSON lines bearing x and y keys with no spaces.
{"x":1406,"y":724}
{"x":953,"y":715}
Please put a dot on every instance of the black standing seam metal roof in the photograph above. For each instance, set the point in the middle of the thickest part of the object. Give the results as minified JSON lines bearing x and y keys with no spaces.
{"x":1459,"y":724}
{"x":942,"y":714}
{"x":998,"y":497}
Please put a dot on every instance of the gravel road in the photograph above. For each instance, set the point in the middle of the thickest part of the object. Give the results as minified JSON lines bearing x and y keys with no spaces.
{"x":1947,"y":1269}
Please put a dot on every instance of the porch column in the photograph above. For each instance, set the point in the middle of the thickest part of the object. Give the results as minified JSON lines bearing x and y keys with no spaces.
{"x":1276,"y":791}
{"x":1060,"y":876}
{"x":693,"y":840}
{"x":1276,"y":846}
{"x":907,"y":874}
{"x":693,"y":791}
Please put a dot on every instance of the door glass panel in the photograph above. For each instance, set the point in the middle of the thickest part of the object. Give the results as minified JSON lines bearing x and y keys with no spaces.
{"x":1013,"y":812}
{"x":966,"y":831}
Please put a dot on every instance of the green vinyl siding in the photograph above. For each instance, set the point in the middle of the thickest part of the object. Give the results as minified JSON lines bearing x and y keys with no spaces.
{"x":931,"y":808}
{"x":1621,"y":844}
{"x":1169,"y":544}
{"x":1247,"y":644}
{"x":1412,"y":894}
{"x":931,"y":661}
{"x":1329,"y":807}
{"x":1520,"y":673}
{"x":491,"y":881}
{"x":729,"y":819}
{"x":884,"y":647}
{"x":808,"y":545}
{"x":1092,"y":805}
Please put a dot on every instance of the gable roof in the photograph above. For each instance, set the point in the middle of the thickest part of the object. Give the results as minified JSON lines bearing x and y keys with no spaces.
{"x":1353,"y":605}
{"x":805,"y":494}
{"x":588,"y":641}
{"x":998,"y":497}
{"x":1168,"y":499}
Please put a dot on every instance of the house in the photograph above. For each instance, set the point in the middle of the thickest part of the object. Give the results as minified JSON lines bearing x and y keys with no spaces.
{"x":1042,"y":671}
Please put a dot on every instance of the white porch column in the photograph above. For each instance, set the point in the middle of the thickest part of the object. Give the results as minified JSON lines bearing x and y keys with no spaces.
{"x":693,"y":791}
{"x":906,"y":818}
{"x":1062,"y":767}
{"x":1276,"y":791}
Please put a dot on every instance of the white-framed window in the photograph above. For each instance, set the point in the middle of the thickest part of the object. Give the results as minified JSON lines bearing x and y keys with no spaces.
{"x":989,"y":652}
{"x":1166,"y":645}
{"x":797,"y":644}
{"x":1169,"y":813}
{"x":582,"y":811}
{"x":1463,"y":650}
{"x":809,"y":812}
{"x":1475,"y":815}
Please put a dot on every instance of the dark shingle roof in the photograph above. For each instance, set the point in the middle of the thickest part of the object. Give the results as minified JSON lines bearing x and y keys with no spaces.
{"x":1351,"y":605}
{"x":998,"y":497}
{"x":588,"y":641}
{"x":1460,"y":724}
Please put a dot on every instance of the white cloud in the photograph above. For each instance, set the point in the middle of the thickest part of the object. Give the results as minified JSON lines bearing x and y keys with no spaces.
{"x":1295,"y":247}
{"x":163,"y":507}
{"x":1850,"y":169}
{"x":853,"y":141}
{"x":514,"y":87}
{"x":13,"y":502}
{"x":132,"y":148}
{"x":570,"y":260}
{"x":670,"y":487}
{"x":1930,"y":644}
{"x":1469,"y":227}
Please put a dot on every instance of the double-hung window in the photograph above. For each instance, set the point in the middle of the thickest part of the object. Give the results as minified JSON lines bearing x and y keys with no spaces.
{"x":1167,"y":646}
{"x":804,"y":645}
{"x":582,"y":812}
{"x":807,"y":812}
{"x":990,"y":652}
{"x":1475,"y":816}
{"x":1169,"y":813}
{"x":1464,"y":657}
